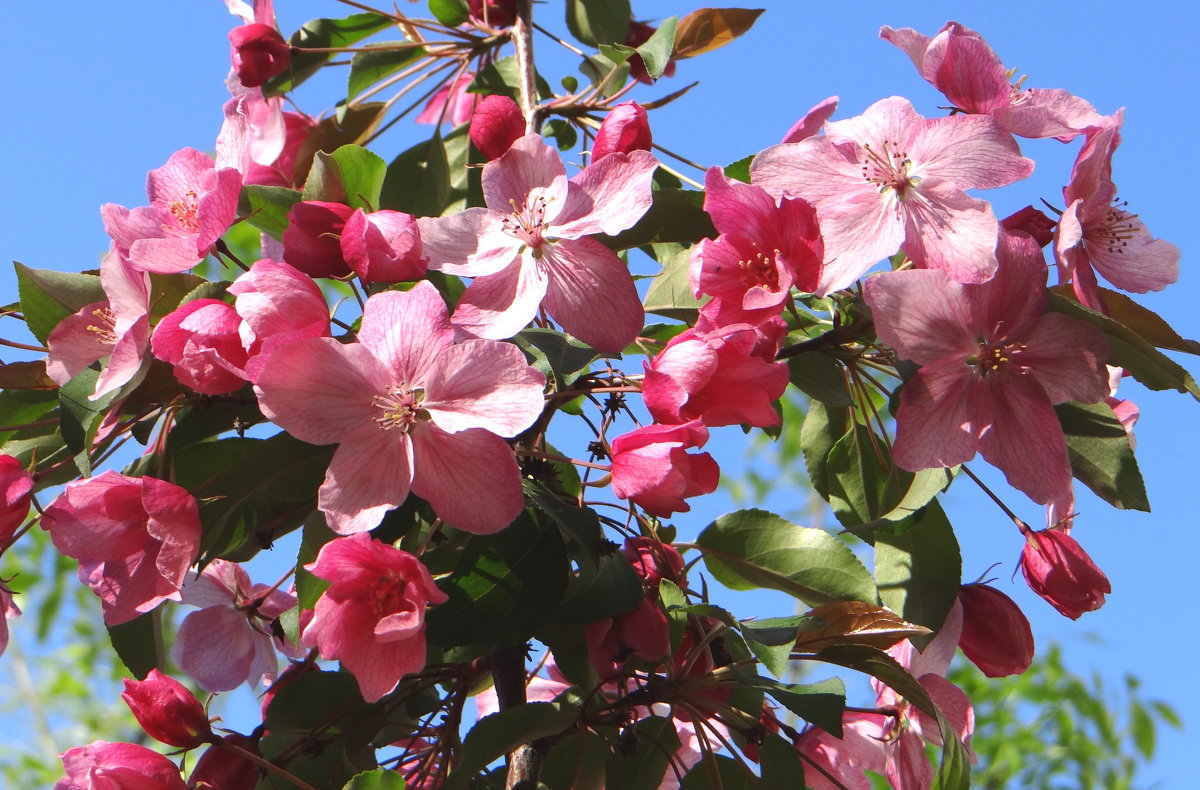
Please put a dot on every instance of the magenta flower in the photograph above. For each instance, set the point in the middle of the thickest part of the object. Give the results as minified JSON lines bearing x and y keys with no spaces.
{"x":642,"y":633}
{"x":117,"y":766}
{"x":258,"y":53}
{"x":624,"y":130}
{"x":278,"y":305}
{"x":192,"y":203}
{"x":812,"y":121}
{"x":9,"y":611}
{"x":372,"y":616}
{"x":16,"y":489}
{"x":118,"y":329}
{"x":200,"y":339}
{"x":383,"y":246}
{"x":134,"y":538}
{"x":223,"y":769}
{"x":995,"y":634}
{"x":167,"y":711}
{"x":654,"y":560}
{"x":452,"y":103}
{"x":1058,"y":569}
{"x":960,"y":63}
{"x":890,"y":179}
{"x":312,"y":242}
{"x":530,"y":246}
{"x":496,"y":124}
{"x":1098,"y":233}
{"x":993,"y":366}
{"x":766,"y":246}
{"x":651,"y":467}
{"x":229,"y":641}
{"x":410,"y":410}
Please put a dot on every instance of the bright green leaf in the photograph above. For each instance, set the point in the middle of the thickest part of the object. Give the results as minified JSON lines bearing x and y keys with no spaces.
{"x":669,"y":293}
{"x":450,"y":13}
{"x":362,"y":174}
{"x":919,"y":570}
{"x":598,"y":21}
{"x":266,"y":208}
{"x":369,"y":66}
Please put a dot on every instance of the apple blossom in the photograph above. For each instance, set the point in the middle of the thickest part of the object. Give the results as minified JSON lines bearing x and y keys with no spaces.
{"x":652,"y":468}
{"x":642,"y":633}
{"x":258,"y":53}
{"x":221,"y":768}
{"x":16,"y":490}
{"x":1058,"y":569}
{"x":372,"y":616}
{"x":995,"y":632}
{"x":200,"y":339}
{"x":811,"y":122}
{"x":311,"y":242}
{"x":383,"y":246}
{"x":9,"y":611}
{"x":167,"y":711}
{"x":452,"y":103}
{"x":278,"y":304}
{"x":117,"y":766}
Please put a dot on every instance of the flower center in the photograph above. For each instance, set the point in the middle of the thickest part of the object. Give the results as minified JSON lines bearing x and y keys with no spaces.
{"x":186,"y":211}
{"x":528,"y":223}
{"x":996,"y":356}
{"x":387,"y":595}
{"x":401,"y":408}
{"x":888,"y":168}
{"x":103,"y":325}
{"x":759,"y":269}
{"x":1115,"y":230}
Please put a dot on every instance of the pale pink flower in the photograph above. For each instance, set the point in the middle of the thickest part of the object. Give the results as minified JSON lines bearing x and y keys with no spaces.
{"x":453,"y":103}
{"x":890,"y":179}
{"x":766,"y":245}
{"x":383,"y":246}
{"x":229,"y":641}
{"x":118,"y":329}
{"x":200,"y":339}
{"x":192,"y":203}
{"x":16,"y":489}
{"x":960,"y":63}
{"x":531,"y":246}
{"x":1098,"y":233}
{"x":278,"y":305}
{"x":117,"y":766}
{"x":844,"y":759}
{"x":134,"y":538}
{"x":651,"y":467}
{"x":279,"y":170}
{"x":994,"y":364}
{"x":410,"y":409}
{"x":372,"y":616}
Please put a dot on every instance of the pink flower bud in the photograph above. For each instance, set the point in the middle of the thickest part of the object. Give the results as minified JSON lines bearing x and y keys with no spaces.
{"x":15,"y":488}
{"x":167,"y":711}
{"x":995,"y":633}
{"x":312,"y":241}
{"x":1058,"y":569}
{"x":654,"y":561}
{"x":200,"y":339}
{"x":625,"y":129}
{"x":651,"y":467}
{"x":642,"y":633}
{"x":1032,"y":221}
{"x":493,"y":13}
{"x":258,"y":53}
{"x":496,"y":124}
{"x":383,"y":247}
{"x":220,"y":768}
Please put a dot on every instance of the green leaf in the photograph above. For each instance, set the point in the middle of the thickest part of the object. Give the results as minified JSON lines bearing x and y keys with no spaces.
{"x":80,"y":416}
{"x":322,"y":34}
{"x":781,"y":762}
{"x":418,"y":180}
{"x":656,"y":51}
{"x":644,"y":756}
{"x":348,"y":125}
{"x":740,"y":169}
{"x":496,"y":735}
{"x":820,"y":703}
{"x":450,"y":13}
{"x":139,"y":643}
{"x":580,"y":525}
{"x":48,"y":297}
{"x":669,"y":293}
{"x":820,"y":377}
{"x":504,"y":587}
{"x":774,"y":657}
{"x":565,"y":355}
{"x":1101,"y":456}
{"x":598,"y":21}
{"x":919,"y":570}
{"x":706,"y":29}
{"x":369,"y":66}
{"x":778,"y":630}
{"x":674,"y":215}
{"x":362,"y":174}
{"x":19,"y":407}
{"x":1148,"y":324}
{"x":376,"y":780}
{"x":576,"y":762}
{"x":754,"y":548}
{"x":823,"y":426}
{"x":324,"y":182}
{"x":503,"y":77}
{"x":719,"y":772}
{"x":864,"y":484}
{"x":266,"y":208}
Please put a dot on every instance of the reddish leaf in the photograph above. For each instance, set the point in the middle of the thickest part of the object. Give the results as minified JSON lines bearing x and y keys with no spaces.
{"x":706,"y":29}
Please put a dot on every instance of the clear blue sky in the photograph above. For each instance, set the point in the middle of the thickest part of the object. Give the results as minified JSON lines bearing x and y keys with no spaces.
{"x":100,"y":93}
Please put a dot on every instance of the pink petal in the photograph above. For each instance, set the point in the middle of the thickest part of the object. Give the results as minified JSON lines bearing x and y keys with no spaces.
{"x":812,"y":121}
{"x":370,"y":474}
{"x":471,"y":243}
{"x":922,"y":314}
{"x":1023,"y":438}
{"x":483,"y":384}
{"x":214,"y":647}
{"x":528,"y":164}
{"x":591,"y":294}
{"x":499,"y":305}
{"x":934,"y":425}
{"x":951,"y":231}
{"x":475,"y":461}
{"x":607,"y":196}
{"x":406,"y":331}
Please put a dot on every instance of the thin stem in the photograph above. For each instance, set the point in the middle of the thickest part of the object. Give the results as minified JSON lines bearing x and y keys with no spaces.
{"x":1021,"y":525}
{"x":561,"y":42}
{"x":563,"y":459}
{"x":24,"y":425}
{"x":262,"y":762}
{"x":23,"y":346}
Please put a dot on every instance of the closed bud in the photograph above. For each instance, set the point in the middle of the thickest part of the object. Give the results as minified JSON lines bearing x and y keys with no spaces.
{"x":625,"y":129}
{"x":167,"y":711}
{"x":1032,"y":221}
{"x":221,"y":768}
{"x":16,"y":488}
{"x":493,"y":13}
{"x":995,"y":633}
{"x":1058,"y":569}
{"x":258,"y":53}
{"x":496,"y":124}
{"x":312,"y":241}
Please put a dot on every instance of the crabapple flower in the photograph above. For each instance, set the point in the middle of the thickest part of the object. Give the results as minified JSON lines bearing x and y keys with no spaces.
{"x":258,"y":53}
{"x":530,"y":246}
{"x":493,"y":13}
{"x":278,"y":304}
{"x":200,"y":339}
{"x":1097,"y":234}
{"x":9,"y":611}
{"x":844,"y":759}
{"x":995,"y":633}
{"x":134,"y":538}
{"x":280,"y":156}
{"x":496,"y":124}
{"x":766,"y":245}
{"x":192,"y":202}
{"x":960,"y":63}
{"x":812,"y":121}
{"x":624,"y":130}
{"x":167,"y":711}
{"x":229,"y":641}
{"x":654,"y":560}
{"x":994,"y":364}
{"x":383,"y":246}
{"x":1058,"y":569}
{"x":117,"y":766}
{"x":890,"y":179}
{"x":652,"y":468}
{"x":118,"y":329}
{"x":452,"y":103}
{"x":372,"y":616}
{"x":16,"y":489}
{"x":409,"y":409}
{"x":642,"y":633}
{"x":312,"y":243}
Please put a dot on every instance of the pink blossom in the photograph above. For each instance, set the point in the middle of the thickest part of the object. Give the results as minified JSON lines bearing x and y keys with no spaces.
{"x":493,"y":13}
{"x":1058,"y":569}
{"x":654,"y":560}
{"x":995,"y":634}
{"x":766,"y":246}
{"x":311,"y":242}
{"x":993,"y":366}
{"x":496,"y":124}
{"x":192,"y":203}
{"x":372,"y":616}
{"x":624,"y":130}
{"x":383,"y":246}
{"x":642,"y":634}
{"x":279,"y":166}
{"x":16,"y":489}
{"x":278,"y":304}
{"x":230,"y":641}
{"x":167,"y":711}
{"x":10,"y":612}
{"x":812,"y":121}
{"x":890,"y":179}
{"x":200,"y":339}
{"x":451,"y":103}
{"x":959,"y":63}
{"x":118,"y":329}
{"x":410,"y":410}
{"x":258,"y":53}
{"x":531,"y":246}
{"x":1098,"y":233}
{"x":134,"y":538}
{"x":844,"y":759}
{"x":117,"y":766}
{"x":715,"y":378}
{"x":652,"y":468}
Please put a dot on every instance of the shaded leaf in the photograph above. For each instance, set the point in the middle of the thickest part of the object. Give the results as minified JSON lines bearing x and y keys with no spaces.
{"x":352,"y":125}
{"x":495,"y":735}
{"x":266,"y":208}
{"x":576,"y":763}
{"x":706,"y":29}
{"x":1101,"y":455}
{"x":1148,"y":324}
{"x":919,"y":570}
{"x":674,"y":215}
{"x":670,"y":294}
{"x":139,"y":643}
{"x":642,"y":758}
{"x":25,"y":376}
{"x":719,"y":772}
{"x":598,"y":21}
{"x":48,"y":297}
{"x":369,"y":66}
{"x":820,"y":703}
{"x":820,"y":377}
{"x":418,"y":180}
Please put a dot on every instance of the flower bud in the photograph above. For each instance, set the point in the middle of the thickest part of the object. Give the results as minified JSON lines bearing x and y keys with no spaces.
{"x":624,"y":129}
{"x":493,"y":13}
{"x":221,"y":768}
{"x":496,"y":124}
{"x":15,"y":488}
{"x":167,"y":711}
{"x":383,"y":246}
{"x":1032,"y":221}
{"x":258,"y":53}
{"x":312,"y":241}
{"x":995,"y":633}
{"x":1058,"y":569}
{"x":654,"y":561}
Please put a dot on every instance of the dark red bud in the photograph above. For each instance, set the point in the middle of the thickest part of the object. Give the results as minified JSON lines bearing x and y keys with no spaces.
{"x":995,"y":633}
{"x":167,"y":711}
{"x":312,"y":241}
{"x":258,"y":53}
{"x":221,"y":768}
{"x":1058,"y":569}
{"x":493,"y":13}
{"x":496,"y":124}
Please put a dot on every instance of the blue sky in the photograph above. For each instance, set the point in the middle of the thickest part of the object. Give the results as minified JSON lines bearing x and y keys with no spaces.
{"x":100,"y":93}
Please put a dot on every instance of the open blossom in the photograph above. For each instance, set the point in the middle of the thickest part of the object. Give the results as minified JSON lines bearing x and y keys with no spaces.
{"x":890,"y":179}
{"x":960,"y":63}
{"x":410,"y":410}
{"x":117,"y":766}
{"x":229,"y":640}
{"x":192,"y":202}
{"x":372,"y":616}
{"x":995,"y":633}
{"x":1058,"y":569}
{"x":278,"y":304}
{"x":200,"y":339}
{"x":118,"y":329}
{"x":530,"y":247}
{"x":651,"y":467}
{"x":993,"y":365}
{"x":1097,"y":233}
{"x":134,"y":538}
{"x":167,"y":711}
